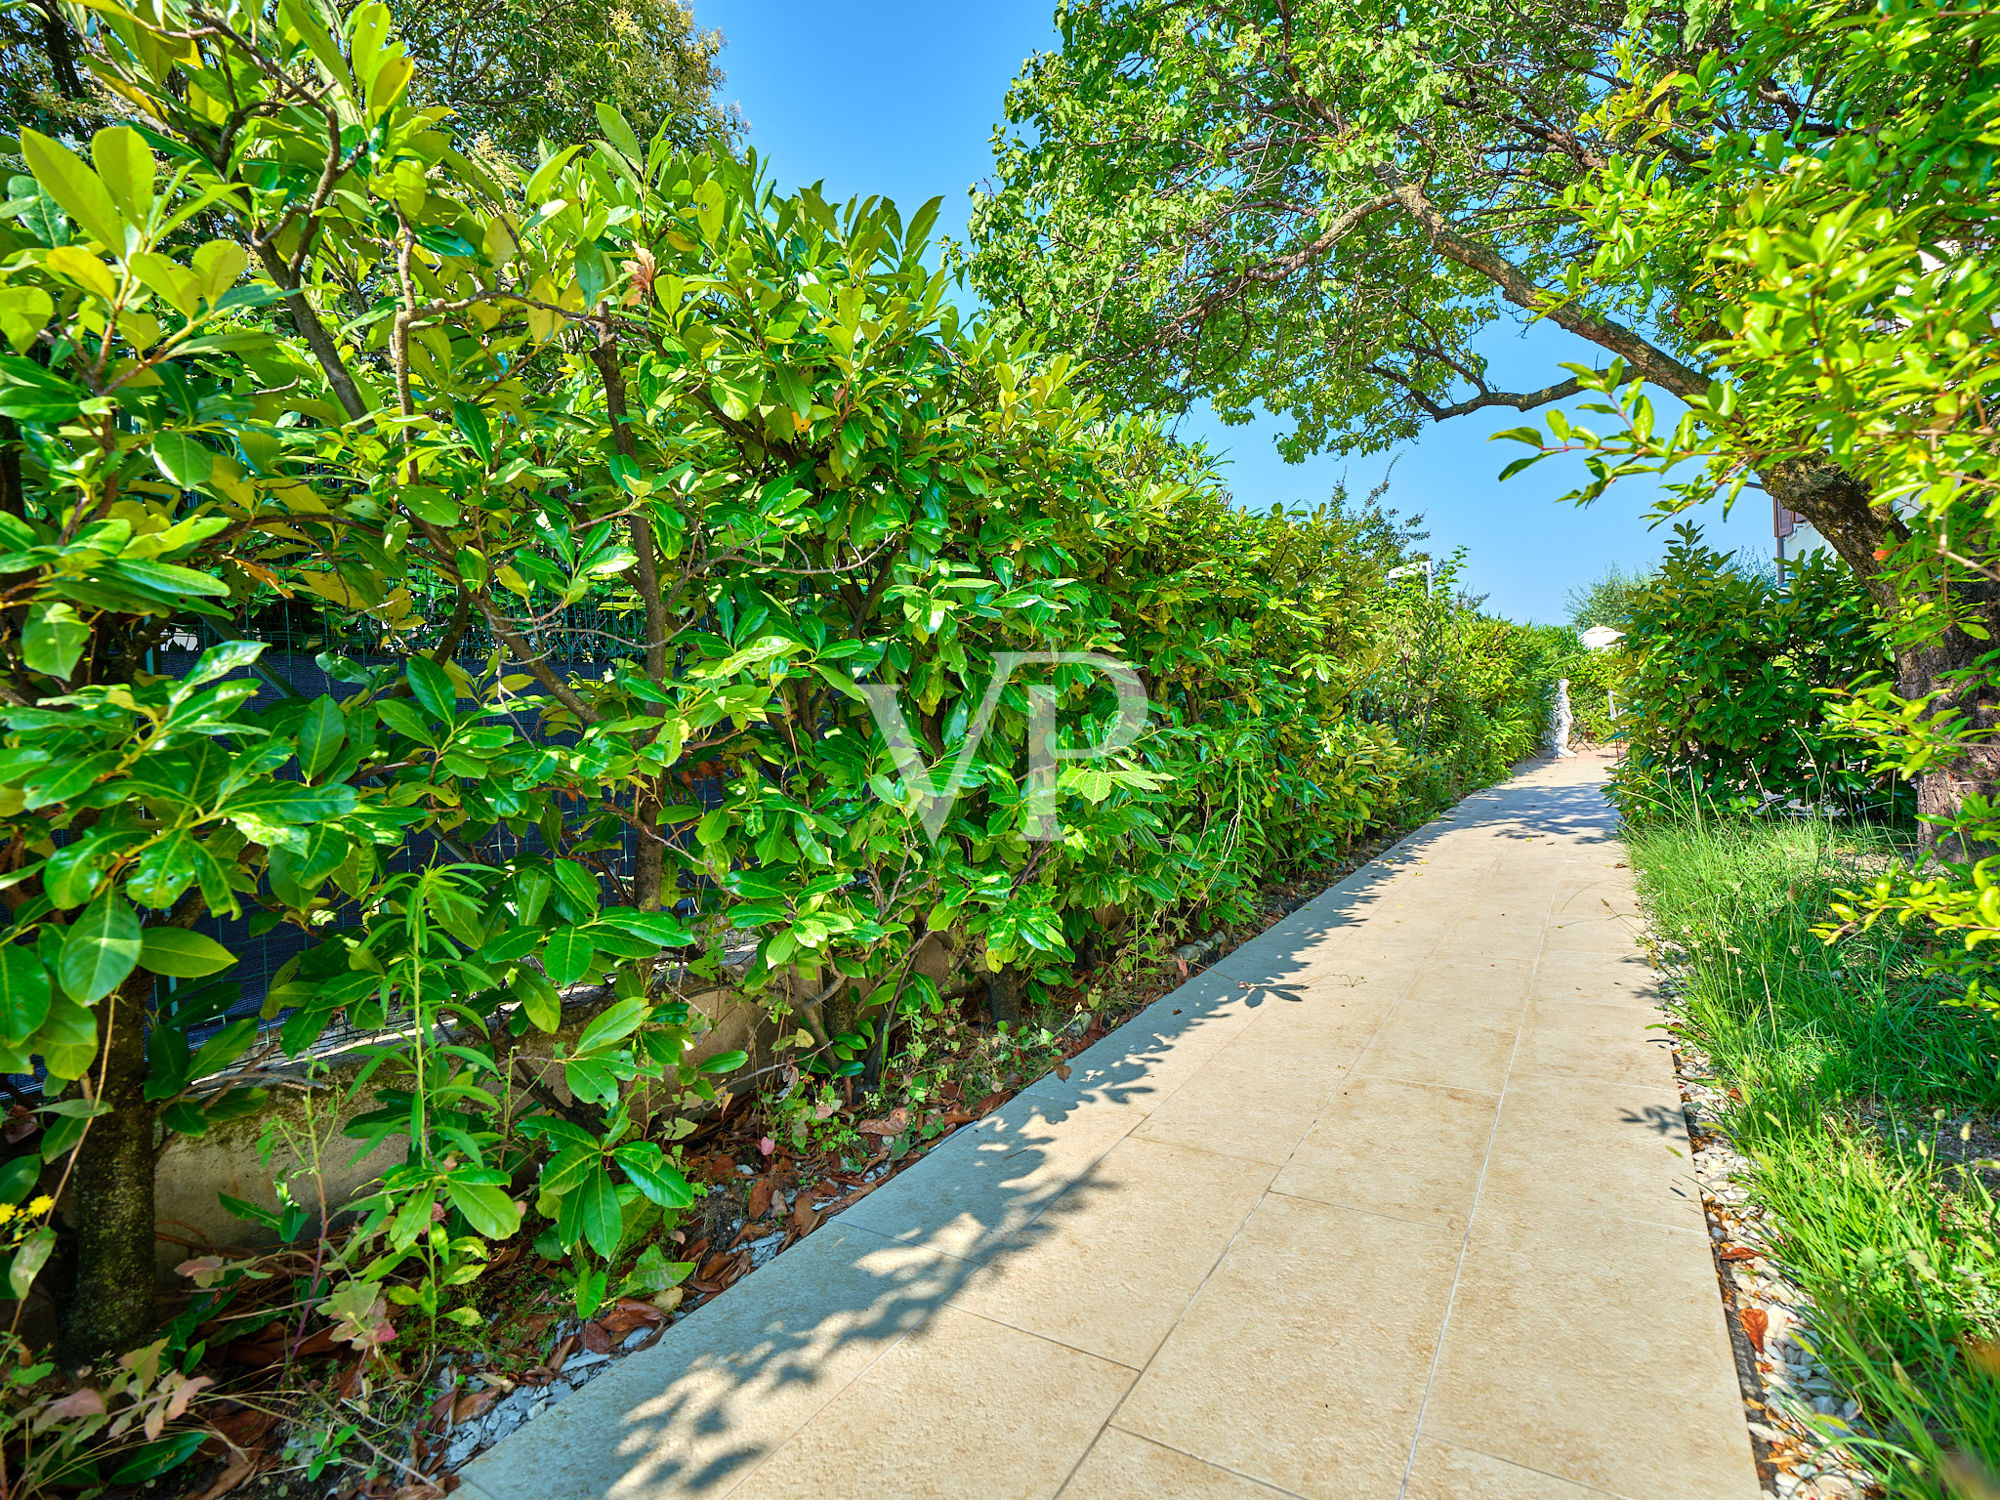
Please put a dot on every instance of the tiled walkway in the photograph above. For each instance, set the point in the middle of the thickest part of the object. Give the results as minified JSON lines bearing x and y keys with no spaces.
{"x":1393,"y":1201}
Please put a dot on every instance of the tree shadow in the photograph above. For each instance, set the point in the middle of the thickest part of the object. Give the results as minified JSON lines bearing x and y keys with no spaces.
{"x":734,"y":1380}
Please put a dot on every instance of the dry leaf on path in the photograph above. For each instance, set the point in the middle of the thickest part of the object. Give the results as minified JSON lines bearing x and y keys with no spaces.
{"x":760,"y":1197}
{"x":805,"y":1218}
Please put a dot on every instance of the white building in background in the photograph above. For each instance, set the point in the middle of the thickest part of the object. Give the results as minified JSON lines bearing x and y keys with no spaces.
{"x":1794,"y":535}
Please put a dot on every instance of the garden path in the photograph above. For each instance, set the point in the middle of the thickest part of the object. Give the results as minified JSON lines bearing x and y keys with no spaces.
{"x":1392,"y":1201}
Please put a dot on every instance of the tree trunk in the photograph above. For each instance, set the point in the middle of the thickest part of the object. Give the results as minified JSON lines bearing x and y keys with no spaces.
{"x":1837,"y":506}
{"x":109,"y":1308}
{"x":1004,"y":992}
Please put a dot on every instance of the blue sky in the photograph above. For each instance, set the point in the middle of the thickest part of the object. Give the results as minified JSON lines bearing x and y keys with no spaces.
{"x":900,"y":99}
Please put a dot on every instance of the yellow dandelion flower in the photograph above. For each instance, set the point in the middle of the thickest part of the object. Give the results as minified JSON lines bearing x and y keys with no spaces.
{"x":41,"y":1204}
{"x":7,"y":1211}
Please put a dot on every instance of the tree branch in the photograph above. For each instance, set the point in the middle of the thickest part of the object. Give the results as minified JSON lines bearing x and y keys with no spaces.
{"x":1658,"y":366}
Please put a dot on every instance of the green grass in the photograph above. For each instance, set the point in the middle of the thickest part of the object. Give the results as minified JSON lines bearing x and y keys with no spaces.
{"x":1859,"y":1093}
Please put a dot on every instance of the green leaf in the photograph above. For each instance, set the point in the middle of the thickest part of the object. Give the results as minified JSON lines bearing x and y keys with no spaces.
{"x":654,"y":1175}
{"x":166,"y":577}
{"x":321,"y":733}
{"x":19,"y":1176}
{"x":567,"y":956}
{"x":599,"y":1216}
{"x":538,"y":999}
{"x":725,"y":1062}
{"x":658,"y":927}
{"x":157,"y":1458}
{"x":28,"y":1261}
{"x":68,"y":179}
{"x":618,"y":133}
{"x":180,"y":954}
{"x":471,"y":424}
{"x":54,"y":638}
{"x":30,"y":393}
{"x":126,"y":167}
{"x":653,"y":1272}
{"x":24,"y":993}
{"x":432,"y":687}
{"x":222,"y":1049}
{"x":100,"y":949}
{"x":612,"y":1025}
{"x":183,"y":460}
{"x":487,"y":1207}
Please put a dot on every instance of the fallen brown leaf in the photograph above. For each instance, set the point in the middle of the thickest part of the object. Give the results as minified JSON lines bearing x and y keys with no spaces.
{"x":628,"y":1315}
{"x":472,"y":1403}
{"x":991,"y":1102}
{"x":805,"y":1218}
{"x":241,"y":1466}
{"x":241,"y":1428}
{"x":1755,"y":1323}
{"x":1738,"y":1252}
{"x":760,"y":1197}
{"x":1062,"y":1071}
{"x":596,"y":1339}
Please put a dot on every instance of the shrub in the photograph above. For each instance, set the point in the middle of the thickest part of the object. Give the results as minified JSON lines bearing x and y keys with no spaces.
{"x":637,"y":475}
{"x":1728,"y":681}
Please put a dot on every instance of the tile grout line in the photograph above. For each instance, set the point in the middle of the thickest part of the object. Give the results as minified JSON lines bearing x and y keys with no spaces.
{"x":1230,"y":1244}
{"x":1153,"y":1442}
{"x":820,"y":1410}
{"x":1471,"y":1218}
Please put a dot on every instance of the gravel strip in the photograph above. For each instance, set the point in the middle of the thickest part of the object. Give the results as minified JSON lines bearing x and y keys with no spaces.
{"x":1791,"y":1401}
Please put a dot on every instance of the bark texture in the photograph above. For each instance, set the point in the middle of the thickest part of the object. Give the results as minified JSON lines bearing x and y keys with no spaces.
{"x":1837,"y":506}
{"x":108,"y":1309}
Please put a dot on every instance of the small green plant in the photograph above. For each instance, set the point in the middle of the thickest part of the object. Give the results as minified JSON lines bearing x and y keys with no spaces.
{"x":1857,"y":1088}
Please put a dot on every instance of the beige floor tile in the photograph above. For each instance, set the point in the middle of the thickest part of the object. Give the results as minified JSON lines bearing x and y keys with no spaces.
{"x":1593,"y":932}
{"x":731,"y":1383}
{"x":1303,"y":1360}
{"x":1124,"y":1467}
{"x":1598,"y":978}
{"x":1331,"y":1026}
{"x":985,"y":1183}
{"x":1596,"y":893}
{"x":1499,"y":985}
{"x":1111,"y":1264}
{"x":1491,"y":937}
{"x":1375,"y":972}
{"x":1452,"y":1046}
{"x":1637,"y":1396}
{"x":1570,"y":1148}
{"x":961,"y":1407}
{"x":1445,"y":1471}
{"x":1616,"y":1043}
{"x":1144,"y":1061}
{"x":1395,"y":1148}
{"x":1257,"y":1097}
